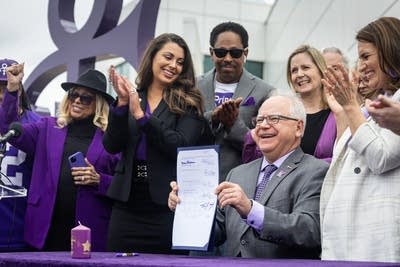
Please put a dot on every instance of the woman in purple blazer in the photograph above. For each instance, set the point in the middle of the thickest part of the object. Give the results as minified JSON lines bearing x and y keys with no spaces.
{"x":305,"y":68}
{"x":58,"y":196}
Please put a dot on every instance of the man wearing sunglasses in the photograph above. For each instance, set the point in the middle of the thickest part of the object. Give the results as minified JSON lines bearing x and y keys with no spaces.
{"x":232,"y":95}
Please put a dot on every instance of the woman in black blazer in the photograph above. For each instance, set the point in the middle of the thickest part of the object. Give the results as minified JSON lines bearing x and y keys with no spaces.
{"x":147,"y":125}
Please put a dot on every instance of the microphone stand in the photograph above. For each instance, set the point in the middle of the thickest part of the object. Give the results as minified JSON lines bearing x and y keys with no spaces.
{"x":2,"y":152}
{"x":2,"y":155}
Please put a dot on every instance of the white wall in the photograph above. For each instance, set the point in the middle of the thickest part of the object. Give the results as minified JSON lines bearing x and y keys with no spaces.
{"x":194,"y":20}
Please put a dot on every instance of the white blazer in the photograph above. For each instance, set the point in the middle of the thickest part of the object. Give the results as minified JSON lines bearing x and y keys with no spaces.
{"x":360,"y":197}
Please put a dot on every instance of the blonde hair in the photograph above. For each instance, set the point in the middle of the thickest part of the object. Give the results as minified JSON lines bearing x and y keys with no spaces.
{"x":100,"y":115}
{"x":318,"y":60}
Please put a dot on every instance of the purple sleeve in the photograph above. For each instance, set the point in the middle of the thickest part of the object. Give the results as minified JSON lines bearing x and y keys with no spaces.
{"x":8,"y":110}
{"x":105,"y":181}
{"x":255,"y":218}
{"x":142,"y":121}
{"x":250,"y":150}
{"x":123,"y":109}
{"x":119,"y":110}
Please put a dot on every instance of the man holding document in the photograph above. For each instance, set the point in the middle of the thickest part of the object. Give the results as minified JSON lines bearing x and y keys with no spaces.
{"x":269,"y":208}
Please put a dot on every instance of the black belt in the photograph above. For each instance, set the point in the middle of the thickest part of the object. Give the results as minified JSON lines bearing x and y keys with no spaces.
{"x":140,"y":172}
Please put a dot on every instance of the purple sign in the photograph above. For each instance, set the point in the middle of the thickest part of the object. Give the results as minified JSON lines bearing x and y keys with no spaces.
{"x":100,"y":38}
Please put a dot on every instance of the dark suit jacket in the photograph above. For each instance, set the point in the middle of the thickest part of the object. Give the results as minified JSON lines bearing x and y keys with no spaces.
{"x":291,"y":221}
{"x":231,"y":142}
{"x":165,"y":132}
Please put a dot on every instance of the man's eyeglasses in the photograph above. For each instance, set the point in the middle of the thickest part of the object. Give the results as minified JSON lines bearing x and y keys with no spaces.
{"x":84,"y":99}
{"x":270,"y":119}
{"x":221,"y":52}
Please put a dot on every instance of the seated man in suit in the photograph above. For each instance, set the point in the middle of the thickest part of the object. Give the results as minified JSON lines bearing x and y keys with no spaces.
{"x":269,"y":208}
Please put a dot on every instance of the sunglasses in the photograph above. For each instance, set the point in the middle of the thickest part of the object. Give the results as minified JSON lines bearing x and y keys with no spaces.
{"x":221,"y":52}
{"x":84,"y":99}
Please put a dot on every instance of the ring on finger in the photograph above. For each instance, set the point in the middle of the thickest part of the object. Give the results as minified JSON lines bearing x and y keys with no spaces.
{"x":83,"y":178}
{"x":337,"y":86}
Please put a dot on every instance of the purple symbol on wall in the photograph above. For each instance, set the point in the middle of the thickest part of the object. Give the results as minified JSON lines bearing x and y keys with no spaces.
{"x":100,"y":38}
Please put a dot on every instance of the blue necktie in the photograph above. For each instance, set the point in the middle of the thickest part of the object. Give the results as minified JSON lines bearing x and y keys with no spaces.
{"x":268,"y":170}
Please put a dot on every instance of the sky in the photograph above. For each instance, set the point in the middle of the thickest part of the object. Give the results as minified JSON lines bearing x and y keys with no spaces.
{"x":26,"y":38}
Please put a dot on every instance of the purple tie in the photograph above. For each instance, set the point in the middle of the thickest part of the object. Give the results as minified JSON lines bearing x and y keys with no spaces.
{"x":268,"y":170}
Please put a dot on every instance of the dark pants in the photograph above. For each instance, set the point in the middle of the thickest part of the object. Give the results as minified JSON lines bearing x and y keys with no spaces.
{"x":140,"y":225}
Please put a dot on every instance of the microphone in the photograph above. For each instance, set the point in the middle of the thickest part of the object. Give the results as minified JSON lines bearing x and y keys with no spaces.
{"x":14,"y":130}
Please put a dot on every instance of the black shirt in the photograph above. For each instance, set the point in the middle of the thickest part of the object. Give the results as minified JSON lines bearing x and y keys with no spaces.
{"x":79,"y":137}
{"x":314,"y":124}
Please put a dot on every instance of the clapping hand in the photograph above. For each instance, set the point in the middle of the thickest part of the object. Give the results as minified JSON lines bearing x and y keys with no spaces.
{"x":126,"y":92}
{"x":229,"y":112}
{"x":386,"y":112}
{"x":332,"y":103}
{"x":337,"y":82}
{"x":120,"y":86}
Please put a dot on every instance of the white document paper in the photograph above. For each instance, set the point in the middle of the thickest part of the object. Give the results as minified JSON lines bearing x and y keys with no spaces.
{"x":197,"y":178}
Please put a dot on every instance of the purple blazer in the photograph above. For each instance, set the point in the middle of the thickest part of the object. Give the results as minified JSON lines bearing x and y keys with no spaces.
{"x":323,"y":150}
{"x":45,"y":142}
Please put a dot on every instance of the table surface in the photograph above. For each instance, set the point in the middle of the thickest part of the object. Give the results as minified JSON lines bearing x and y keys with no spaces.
{"x":110,"y":259}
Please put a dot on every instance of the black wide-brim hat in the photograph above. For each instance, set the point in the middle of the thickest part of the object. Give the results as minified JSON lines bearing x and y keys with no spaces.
{"x":93,"y":80}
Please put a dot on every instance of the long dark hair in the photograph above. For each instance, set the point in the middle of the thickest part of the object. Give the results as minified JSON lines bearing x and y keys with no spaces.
{"x":384,"y":34}
{"x":181,"y":94}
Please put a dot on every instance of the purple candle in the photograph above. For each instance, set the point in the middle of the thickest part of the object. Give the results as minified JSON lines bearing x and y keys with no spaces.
{"x":80,"y":242}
